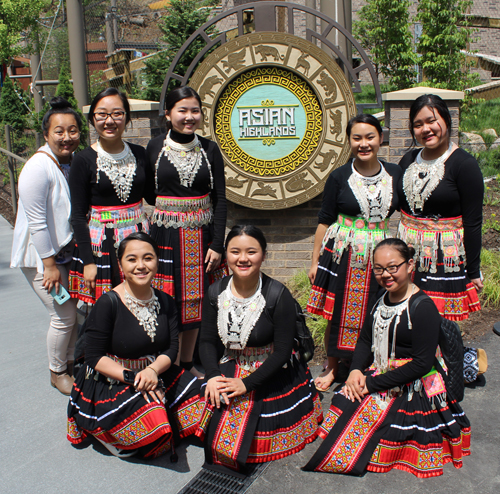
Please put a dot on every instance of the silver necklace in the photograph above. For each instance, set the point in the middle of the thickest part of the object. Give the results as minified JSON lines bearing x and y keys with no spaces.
{"x":374,"y":194}
{"x":237,"y":316}
{"x":422,"y":177}
{"x":119,"y":168}
{"x":186,"y":158}
{"x":382,"y":320}
{"x":145,"y":311}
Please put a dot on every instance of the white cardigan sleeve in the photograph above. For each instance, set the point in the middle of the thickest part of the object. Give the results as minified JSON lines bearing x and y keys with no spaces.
{"x":35,"y":191}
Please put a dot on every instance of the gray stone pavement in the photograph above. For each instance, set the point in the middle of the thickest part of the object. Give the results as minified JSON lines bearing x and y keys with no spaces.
{"x":35,"y":456}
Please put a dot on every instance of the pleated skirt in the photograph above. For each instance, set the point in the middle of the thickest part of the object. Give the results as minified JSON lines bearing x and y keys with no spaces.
{"x":118,"y":415}
{"x":266,"y":424}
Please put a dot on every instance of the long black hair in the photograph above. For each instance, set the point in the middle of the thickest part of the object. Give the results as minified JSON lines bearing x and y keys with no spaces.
{"x":178,"y":94}
{"x":110,"y":91}
{"x":435,"y":103}
{"x":58,"y":105}
{"x":142,"y":237}
{"x":363,"y":118}
{"x":251,"y":231}
{"x":406,"y":251}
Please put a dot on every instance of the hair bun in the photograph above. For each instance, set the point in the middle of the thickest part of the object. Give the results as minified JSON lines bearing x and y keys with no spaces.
{"x":411,"y":251}
{"x":59,"y":103}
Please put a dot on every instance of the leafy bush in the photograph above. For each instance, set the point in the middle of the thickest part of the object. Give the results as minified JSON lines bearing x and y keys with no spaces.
{"x":490,"y":265}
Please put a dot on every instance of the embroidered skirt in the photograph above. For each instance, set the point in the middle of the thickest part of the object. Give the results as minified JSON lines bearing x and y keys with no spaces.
{"x":440,"y":264}
{"x":118,"y":415}
{"x":108,"y":226}
{"x":344,"y":281}
{"x":266,"y":424}
{"x":416,"y":429}
{"x":181,"y":227}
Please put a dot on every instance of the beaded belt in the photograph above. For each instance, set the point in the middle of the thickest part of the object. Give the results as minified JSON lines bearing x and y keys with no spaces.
{"x":250,"y":358}
{"x":183,"y":212}
{"x":135,"y":364}
{"x":122,"y":219}
{"x":360,"y":234}
{"x":428,"y":235}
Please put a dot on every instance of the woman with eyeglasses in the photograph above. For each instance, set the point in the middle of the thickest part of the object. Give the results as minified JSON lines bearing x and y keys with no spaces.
{"x":42,"y":245}
{"x":394,"y":410}
{"x":107,"y":182}
{"x":359,"y":198}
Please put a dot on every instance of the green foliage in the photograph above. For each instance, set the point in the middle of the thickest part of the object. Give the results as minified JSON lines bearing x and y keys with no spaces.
{"x":489,"y":162}
{"x":384,"y":30}
{"x":300,"y":287}
{"x":480,"y":116}
{"x":12,"y":110}
{"x":98,"y":83}
{"x":490,"y":265}
{"x":182,"y":20}
{"x":444,"y":33}
{"x":18,"y":19}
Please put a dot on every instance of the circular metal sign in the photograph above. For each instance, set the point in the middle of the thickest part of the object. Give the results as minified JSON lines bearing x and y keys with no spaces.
{"x":277,"y":105}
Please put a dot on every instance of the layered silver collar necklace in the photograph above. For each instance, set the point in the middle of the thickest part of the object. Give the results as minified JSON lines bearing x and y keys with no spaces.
{"x":119,"y":168}
{"x":145,"y":311}
{"x":422,"y":177}
{"x":237,"y":317}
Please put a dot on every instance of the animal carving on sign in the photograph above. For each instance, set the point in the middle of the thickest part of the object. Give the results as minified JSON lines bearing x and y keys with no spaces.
{"x":302,"y":62}
{"x":328,"y":158}
{"x":298,"y":183}
{"x":234,"y":61}
{"x":336,"y":128}
{"x":268,"y":51}
{"x":234,"y":182}
{"x":264,"y":190}
{"x":206,"y":88}
{"x":329,"y":86}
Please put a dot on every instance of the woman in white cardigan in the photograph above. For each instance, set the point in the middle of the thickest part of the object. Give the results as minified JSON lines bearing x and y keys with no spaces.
{"x":43,"y":236}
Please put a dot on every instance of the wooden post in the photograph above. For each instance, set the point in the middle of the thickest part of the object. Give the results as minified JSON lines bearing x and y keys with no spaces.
{"x":10,"y":162}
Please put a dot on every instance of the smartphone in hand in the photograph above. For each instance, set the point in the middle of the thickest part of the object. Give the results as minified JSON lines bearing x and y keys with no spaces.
{"x":62,"y":296}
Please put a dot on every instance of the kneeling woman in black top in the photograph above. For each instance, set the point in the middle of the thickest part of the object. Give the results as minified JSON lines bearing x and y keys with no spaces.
{"x":129,"y":395}
{"x":261,"y":404}
{"x":393,"y":411}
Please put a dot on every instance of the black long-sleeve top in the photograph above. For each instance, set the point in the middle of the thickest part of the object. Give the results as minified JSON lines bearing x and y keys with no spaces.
{"x":418,"y":343}
{"x":280,"y":331}
{"x":124,"y":337}
{"x":169,"y":182}
{"x":460,"y":193}
{"x":86,"y":192}
{"x":339,"y":198}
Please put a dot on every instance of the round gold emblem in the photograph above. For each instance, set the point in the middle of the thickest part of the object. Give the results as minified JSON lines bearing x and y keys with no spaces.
{"x":277,"y":105}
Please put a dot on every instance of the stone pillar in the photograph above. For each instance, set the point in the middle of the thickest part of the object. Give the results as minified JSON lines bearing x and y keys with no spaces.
{"x":397,"y":109}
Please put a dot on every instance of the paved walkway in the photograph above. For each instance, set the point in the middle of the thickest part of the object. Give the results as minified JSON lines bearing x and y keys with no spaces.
{"x":35,"y":456}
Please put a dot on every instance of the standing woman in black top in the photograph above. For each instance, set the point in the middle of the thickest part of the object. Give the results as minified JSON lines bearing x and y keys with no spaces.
{"x":107,"y":184}
{"x":441,"y":197}
{"x":358,"y":199}
{"x":190,"y":217}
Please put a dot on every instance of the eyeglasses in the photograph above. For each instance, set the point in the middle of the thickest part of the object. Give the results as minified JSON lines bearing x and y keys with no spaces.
{"x":390,"y":269}
{"x":72,"y":134}
{"x":115,"y":115}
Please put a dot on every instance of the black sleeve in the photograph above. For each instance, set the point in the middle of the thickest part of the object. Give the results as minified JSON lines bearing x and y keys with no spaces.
{"x":173,"y":325}
{"x":329,"y":212}
{"x":218,"y":195}
{"x":210,"y":347}
{"x":426,"y":323}
{"x":284,"y":332}
{"x":99,"y":330}
{"x":470,"y":186}
{"x":80,"y":188}
{"x":142,"y":161}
